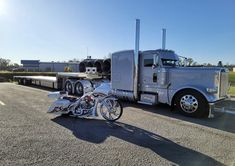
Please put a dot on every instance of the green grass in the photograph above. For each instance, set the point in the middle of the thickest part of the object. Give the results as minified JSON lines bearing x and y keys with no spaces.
{"x":232,"y":81}
{"x":232,"y":90}
{"x":4,"y":71}
{"x":232,"y":78}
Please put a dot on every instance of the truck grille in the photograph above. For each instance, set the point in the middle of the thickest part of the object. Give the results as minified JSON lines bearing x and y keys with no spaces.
{"x":223,"y":84}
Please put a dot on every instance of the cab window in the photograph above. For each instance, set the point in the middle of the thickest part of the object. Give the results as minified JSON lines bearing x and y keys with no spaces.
{"x":148,"y":62}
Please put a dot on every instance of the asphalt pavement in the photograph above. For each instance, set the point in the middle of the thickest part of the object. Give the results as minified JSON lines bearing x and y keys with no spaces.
{"x":144,"y":135}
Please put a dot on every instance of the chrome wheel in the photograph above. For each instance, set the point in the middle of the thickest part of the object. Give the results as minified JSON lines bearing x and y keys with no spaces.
{"x":111,"y":109}
{"x":189,"y":103}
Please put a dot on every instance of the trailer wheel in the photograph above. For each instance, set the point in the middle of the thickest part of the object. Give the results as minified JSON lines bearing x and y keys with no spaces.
{"x":79,"y":89}
{"x":192,"y":103}
{"x":68,"y":87}
{"x":20,"y":82}
{"x":24,"y":82}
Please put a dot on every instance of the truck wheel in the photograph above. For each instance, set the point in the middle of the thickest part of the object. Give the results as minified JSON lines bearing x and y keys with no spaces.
{"x":192,"y":103}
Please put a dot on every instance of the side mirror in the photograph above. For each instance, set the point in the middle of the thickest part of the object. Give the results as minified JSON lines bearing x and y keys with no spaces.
{"x":155,"y":61}
{"x":154,"y":66}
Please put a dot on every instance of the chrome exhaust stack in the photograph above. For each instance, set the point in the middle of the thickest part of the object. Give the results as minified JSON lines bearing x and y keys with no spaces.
{"x":136,"y":59}
{"x":163,"y":38}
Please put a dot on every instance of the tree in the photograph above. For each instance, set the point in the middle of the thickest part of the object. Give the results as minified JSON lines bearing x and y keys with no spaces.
{"x":220,"y":64}
{"x":207,"y":64}
{"x":195,"y":64}
{"x":190,"y":61}
{"x":4,"y":64}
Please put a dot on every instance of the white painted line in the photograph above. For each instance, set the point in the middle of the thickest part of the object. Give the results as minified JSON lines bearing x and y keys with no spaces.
{"x":1,"y":103}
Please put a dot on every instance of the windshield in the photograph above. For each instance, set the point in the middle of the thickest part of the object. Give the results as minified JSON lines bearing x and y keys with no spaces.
{"x":169,"y":62}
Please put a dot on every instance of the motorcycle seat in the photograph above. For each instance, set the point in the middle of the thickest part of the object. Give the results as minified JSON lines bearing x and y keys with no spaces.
{"x":70,"y":98}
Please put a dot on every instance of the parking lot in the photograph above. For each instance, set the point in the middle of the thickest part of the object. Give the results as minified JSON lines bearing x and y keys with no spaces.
{"x":145,"y":135}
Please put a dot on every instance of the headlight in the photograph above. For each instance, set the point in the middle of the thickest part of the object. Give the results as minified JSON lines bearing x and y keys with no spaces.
{"x":212,"y":90}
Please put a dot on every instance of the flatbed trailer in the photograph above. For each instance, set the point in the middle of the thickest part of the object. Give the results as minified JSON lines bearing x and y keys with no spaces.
{"x":75,"y":83}
{"x":45,"y":81}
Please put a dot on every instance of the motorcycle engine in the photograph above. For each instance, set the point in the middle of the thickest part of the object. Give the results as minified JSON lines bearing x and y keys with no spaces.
{"x":87,"y":102}
{"x":85,"y":106}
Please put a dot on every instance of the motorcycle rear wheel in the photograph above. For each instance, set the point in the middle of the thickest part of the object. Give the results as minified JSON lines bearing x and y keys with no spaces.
{"x":111,"y":109}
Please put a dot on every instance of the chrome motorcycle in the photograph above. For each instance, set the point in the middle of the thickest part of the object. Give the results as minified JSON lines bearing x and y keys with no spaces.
{"x":91,"y":104}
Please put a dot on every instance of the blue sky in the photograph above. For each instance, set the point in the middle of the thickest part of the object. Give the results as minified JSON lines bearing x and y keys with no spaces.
{"x":60,"y":30}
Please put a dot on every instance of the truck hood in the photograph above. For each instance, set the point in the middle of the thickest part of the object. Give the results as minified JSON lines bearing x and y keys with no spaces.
{"x":198,"y":69}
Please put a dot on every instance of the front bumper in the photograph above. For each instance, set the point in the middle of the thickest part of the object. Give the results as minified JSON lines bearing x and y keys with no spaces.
{"x":214,"y":109}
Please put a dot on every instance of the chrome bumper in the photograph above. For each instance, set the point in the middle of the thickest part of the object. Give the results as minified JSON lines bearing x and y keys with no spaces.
{"x":213,"y":109}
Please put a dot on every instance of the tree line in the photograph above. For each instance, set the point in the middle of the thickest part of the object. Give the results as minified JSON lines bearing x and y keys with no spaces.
{"x":192,"y":63}
{"x":6,"y":64}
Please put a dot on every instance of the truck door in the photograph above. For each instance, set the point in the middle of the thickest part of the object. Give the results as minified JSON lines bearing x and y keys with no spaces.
{"x":148,"y":75}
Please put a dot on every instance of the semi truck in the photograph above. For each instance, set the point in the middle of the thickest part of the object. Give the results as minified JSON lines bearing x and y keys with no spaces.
{"x":148,"y":77}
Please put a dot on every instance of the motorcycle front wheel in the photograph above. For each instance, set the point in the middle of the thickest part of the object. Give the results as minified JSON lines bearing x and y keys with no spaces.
{"x":111,"y":109}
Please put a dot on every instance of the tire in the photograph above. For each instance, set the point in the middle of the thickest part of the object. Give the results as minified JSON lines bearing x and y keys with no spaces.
{"x":24,"y":82}
{"x":103,"y":107}
{"x":79,"y":89}
{"x":20,"y":82}
{"x":191,"y":103}
{"x":68,"y":87}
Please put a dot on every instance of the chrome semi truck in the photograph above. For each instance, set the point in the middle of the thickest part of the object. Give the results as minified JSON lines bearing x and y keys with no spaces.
{"x":152,"y":77}
{"x":192,"y":90}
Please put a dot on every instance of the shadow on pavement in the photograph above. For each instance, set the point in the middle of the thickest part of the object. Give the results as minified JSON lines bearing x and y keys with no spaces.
{"x":221,"y":121}
{"x":96,"y":131}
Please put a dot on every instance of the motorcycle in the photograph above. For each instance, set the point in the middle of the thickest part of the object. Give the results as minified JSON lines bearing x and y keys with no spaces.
{"x":91,"y":104}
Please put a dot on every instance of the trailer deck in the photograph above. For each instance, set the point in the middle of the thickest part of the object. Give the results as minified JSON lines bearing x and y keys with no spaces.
{"x":57,"y":82}
{"x":39,"y":78}
{"x":46,"y":81}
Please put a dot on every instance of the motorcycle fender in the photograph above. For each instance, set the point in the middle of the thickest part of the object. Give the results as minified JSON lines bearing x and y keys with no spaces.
{"x":108,"y":97}
{"x":58,"y":106}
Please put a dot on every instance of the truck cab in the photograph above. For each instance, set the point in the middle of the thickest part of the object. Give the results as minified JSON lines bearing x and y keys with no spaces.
{"x":191,"y":90}
{"x":154,"y":65}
